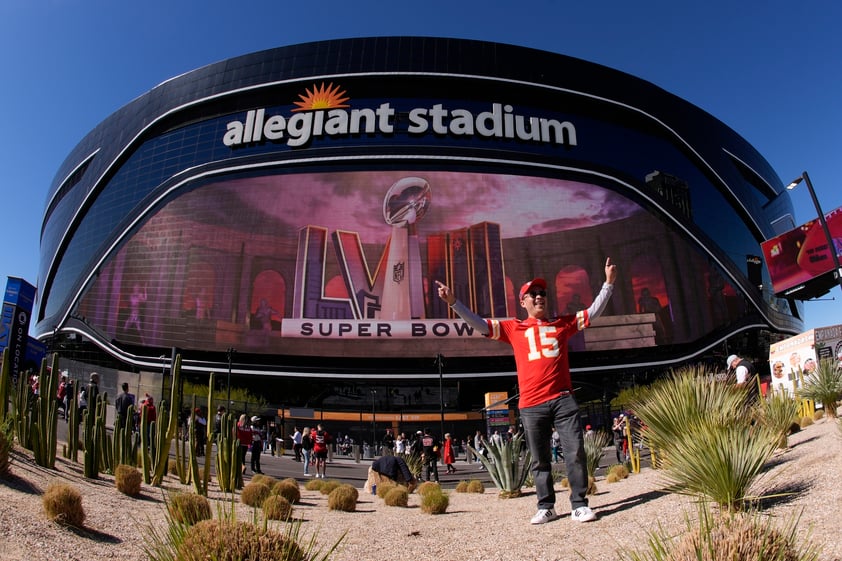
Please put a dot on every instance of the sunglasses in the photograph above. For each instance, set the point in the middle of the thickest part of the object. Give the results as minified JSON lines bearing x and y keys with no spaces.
{"x":536,"y":293}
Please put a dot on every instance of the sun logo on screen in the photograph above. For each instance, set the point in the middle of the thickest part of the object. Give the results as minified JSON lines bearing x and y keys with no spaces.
{"x":322,"y":97}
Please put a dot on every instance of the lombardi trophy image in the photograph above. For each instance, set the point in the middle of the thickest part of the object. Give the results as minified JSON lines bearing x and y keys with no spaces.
{"x":406,"y":202}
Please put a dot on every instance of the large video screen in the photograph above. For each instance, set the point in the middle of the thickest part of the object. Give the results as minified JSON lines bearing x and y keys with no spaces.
{"x":802,"y":254}
{"x":344,"y":263}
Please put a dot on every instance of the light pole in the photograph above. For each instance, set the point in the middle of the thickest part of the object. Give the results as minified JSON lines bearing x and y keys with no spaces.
{"x":440,"y":365}
{"x":373,"y":424}
{"x":837,"y":272}
{"x":231,"y":351}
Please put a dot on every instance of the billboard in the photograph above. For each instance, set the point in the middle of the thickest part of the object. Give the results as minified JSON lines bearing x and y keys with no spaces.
{"x":14,"y":323}
{"x":795,"y":358}
{"x":800,"y":261}
{"x":343,"y":264}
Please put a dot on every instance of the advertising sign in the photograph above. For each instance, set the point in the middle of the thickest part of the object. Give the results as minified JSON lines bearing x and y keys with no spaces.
{"x":801,"y":255}
{"x":14,"y":322}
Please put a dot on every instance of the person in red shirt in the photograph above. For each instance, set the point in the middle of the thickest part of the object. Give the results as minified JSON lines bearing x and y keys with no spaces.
{"x":546,"y":392}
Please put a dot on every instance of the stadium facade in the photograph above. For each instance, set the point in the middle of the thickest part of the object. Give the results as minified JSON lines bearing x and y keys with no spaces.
{"x":285,"y":214}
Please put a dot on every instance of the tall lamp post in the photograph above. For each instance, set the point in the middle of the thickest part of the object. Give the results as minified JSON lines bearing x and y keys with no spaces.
{"x":830,"y":245}
{"x":373,"y":423}
{"x":231,"y":351}
{"x":440,"y":365}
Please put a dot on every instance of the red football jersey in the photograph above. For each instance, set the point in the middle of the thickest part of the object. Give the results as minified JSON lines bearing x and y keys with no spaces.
{"x":540,"y":349}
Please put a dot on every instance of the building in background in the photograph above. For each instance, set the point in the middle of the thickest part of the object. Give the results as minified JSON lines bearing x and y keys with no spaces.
{"x":296,"y":205}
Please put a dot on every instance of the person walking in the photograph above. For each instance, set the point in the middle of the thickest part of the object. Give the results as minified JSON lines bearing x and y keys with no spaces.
{"x":321,"y":440}
{"x":296,"y":444}
{"x":430,"y":455}
{"x":123,"y":405}
{"x":244,"y":437}
{"x":546,"y":392}
{"x":448,"y":456}
{"x":256,"y":445}
{"x":306,"y":450}
{"x":743,"y":373}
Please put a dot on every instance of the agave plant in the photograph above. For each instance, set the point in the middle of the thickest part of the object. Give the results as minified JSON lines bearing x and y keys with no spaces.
{"x":824,"y":385}
{"x":708,"y":451}
{"x":779,"y":412}
{"x":506,"y":469}
{"x":595,"y":444}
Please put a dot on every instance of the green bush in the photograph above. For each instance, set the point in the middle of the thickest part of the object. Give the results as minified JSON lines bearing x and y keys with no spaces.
{"x":128,"y":480}
{"x":709,"y":444}
{"x":824,"y":385}
{"x":778,"y":411}
{"x":63,"y":505}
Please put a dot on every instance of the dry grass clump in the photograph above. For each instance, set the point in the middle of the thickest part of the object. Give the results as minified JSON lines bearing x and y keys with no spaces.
{"x":254,"y":494}
{"x":476,"y":486}
{"x":462,"y":487}
{"x":188,"y":508}
{"x":434,"y":501}
{"x":267,"y":480}
{"x":277,"y":507}
{"x":397,"y":495}
{"x":287,"y":490}
{"x":63,"y":505}
{"x":314,"y":484}
{"x":616,"y":473}
{"x":222,"y":540}
{"x":5,"y":450}
{"x":739,"y":537}
{"x":428,"y":487}
{"x":806,"y":422}
{"x":344,"y":498}
{"x":328,"y":485}
{"x":128,"y":480}
{"x":384,"y":488}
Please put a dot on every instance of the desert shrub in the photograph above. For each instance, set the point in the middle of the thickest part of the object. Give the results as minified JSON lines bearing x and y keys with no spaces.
{"x":314,"y":484}
{"x":63,"y":504}
{"x":428,"y":487}
{"x":737,"y":537}
{"x":462,"y":487}
{"x":592,"y":488}
{"x":267,"y":480}
{"x":254,"y":494}
{"x":128,"y":480}
{"x":710,"y":445}
{"x":383,"y":489}
{"x":397,"y":496}
{"x":277,"y":507}
{"x":806,"y":422}
{"x":344,"y":498}
{"x":188,"y":508}
{"x":595,"y":444}
{"x":172,"y":467}
{"x":233,"y":541}
{"x":476,"y":486}
{"x":612,"y":478}
{"x":778,"y":411}
{"x":5,"y":453}
{"x":434,"y":501}
{"x":287,"y":490}
{"x":620,"y":470}
{"x":328,"y":485}
{"x":292,"y":480}
{"x":824,"y":385}
{"x":818,"y":414}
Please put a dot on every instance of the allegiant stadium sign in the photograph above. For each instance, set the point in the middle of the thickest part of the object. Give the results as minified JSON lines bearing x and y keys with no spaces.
{"x":324,"y":113}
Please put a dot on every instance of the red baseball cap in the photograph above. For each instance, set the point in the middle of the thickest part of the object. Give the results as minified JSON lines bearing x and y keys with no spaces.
{"x":534,"y":283}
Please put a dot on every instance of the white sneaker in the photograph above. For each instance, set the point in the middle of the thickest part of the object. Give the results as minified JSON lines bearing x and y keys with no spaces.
{"x":582,"y":514}
{"x":544,"y":515}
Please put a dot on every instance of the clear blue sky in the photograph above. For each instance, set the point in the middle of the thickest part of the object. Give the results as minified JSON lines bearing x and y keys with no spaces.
{"x":770,"y":70}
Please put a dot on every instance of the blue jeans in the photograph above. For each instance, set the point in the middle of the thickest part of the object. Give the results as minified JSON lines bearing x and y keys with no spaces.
{"x":538,"y":422}
{"x":305,"y":454}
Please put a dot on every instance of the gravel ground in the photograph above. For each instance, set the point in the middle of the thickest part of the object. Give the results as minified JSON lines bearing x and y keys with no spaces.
{"x":476,"y":527}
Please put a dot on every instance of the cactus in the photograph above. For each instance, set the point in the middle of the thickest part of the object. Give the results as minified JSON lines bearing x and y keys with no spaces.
{"x":21,"y":407}
{"x":227,"y":457}
{"x":165,"y":434}
{"x":72,"y":449}
{"x":201,"y":483}
{"x":94,"y":436}
{"x":126,"y":442}
{"x":44,"y":416}
{"x":5,"y":385}
{"x":146,"y":459}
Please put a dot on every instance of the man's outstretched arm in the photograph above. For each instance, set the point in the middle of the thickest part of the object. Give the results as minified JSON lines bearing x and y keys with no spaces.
{"x":471,"y":318}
